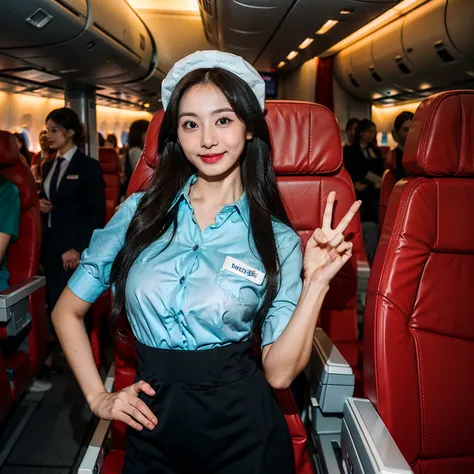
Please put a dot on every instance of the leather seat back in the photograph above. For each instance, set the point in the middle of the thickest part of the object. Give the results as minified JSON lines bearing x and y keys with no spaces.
{"x":386,"y":186}
{"x":419,"y":325}
{"x":109,"y":162}
{"x":24,"y":253}
{"x":307,"y":158}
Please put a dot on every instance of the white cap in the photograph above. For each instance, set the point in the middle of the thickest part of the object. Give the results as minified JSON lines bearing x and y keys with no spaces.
{"x":212,"y":59}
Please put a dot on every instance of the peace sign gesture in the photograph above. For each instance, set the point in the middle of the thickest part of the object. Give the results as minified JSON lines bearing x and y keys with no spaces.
{"x":327,"y":251}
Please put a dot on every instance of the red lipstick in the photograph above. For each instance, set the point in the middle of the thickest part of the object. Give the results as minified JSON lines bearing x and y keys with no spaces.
{"x":211,"y":158}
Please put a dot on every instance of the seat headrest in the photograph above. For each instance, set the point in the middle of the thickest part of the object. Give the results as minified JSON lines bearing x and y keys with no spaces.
{"x":305,"y":138}
{"x":441,"y":139}
{"x":108,"y":160}
{"x":8,"y":149}
{"x":150,"y":150}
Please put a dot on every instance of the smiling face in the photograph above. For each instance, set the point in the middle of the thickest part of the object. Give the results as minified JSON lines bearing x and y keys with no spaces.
{"x":210,"y":133}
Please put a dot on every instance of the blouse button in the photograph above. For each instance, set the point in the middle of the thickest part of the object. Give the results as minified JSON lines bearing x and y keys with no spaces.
{"x":181,"y":280}
{"x":195,"y":247}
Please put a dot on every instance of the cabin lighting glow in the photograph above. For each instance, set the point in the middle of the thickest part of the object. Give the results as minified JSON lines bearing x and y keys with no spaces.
{"x":346,"y":11}
{"x":292,"y":55}
{"x":281,"y":64}
{"x":305,"y":43}
{"x":165,"y":5}
{"x":146,"y":105}
{"x":389,"y":16}
{"x":425,"y":85}
{"x":326,"y":27}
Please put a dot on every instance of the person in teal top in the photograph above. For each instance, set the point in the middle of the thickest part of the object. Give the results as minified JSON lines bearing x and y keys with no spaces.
{"x":9,"y":224}
{"x":201,"y":263}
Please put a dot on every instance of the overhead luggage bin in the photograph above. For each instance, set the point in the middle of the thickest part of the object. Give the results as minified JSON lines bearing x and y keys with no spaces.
{"x":403,"y":63}
{"x":88,"y":42}
{"x":30,"y":25}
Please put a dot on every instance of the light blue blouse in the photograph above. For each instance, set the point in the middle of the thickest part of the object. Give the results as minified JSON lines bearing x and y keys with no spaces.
{"x":190,"y":296}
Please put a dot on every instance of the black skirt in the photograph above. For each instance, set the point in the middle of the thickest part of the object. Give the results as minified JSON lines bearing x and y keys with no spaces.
{"x":216,"y":415}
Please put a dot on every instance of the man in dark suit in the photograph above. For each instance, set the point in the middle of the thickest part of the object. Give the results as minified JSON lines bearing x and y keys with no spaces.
{"x":72,"y":201}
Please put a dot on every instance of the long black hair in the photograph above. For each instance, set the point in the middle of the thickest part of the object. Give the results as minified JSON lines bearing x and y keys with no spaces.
{"x":154,"y":214}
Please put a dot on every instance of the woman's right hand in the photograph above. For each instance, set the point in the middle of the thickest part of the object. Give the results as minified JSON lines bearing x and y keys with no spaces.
{"x":45,"y":206}
{"x":126,"y":406}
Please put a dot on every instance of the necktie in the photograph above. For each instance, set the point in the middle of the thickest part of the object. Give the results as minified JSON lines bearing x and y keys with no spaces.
{"x":53,"y":186}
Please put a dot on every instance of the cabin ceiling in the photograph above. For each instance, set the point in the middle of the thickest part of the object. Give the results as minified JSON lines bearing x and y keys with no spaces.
{"x":262,"y":31}
{"x":176,"y":35}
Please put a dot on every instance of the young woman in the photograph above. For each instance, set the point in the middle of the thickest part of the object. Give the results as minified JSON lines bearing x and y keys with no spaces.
{"x":202,"y":261}
{"x":72,"y":203}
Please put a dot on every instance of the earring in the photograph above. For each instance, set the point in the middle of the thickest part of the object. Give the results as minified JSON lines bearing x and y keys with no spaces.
{"x":249,"y":136}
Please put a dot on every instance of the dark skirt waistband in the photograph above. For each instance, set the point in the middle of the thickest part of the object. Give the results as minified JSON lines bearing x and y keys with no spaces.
{"x":212,"y":366}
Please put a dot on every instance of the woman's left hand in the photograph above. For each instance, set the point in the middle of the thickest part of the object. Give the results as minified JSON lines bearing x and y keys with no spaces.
{"x":71,"y":259}
{"x":327,"y":251}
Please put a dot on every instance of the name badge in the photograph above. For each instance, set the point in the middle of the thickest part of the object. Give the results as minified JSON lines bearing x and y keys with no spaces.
{"x":237,"y":267}
{"x":72,"y":176}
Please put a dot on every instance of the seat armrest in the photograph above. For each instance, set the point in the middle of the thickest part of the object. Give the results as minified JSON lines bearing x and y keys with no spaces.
{"x":94,"y":457}
{"x":14,"y":305}
{"x":367,"y":446}
{"x":363,"y":274}
{"x":330,"y":376}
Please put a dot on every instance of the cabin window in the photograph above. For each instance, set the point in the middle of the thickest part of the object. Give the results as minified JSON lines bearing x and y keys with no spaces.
{"x":353,"y":81}
{"x":443,"y":53}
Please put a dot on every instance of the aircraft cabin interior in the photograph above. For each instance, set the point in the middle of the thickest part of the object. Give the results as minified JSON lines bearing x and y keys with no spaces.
{"x":372,"y":99}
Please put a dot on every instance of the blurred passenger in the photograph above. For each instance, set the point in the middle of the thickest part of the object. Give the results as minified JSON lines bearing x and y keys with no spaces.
{"x":101,"y":139}
{"x":136,"y":142}
{"x":400,"y":133}
{"x":363,"y":160}
{"x":43,"y":156}
{"x":351,"y":126}
{"x":20,"y":141}
{"x":72,"y":202}
{"x":111,"y":141}
{"x":9,"y":224}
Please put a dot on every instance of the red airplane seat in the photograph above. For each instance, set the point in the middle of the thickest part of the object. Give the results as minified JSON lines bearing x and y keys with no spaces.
{"x":109,"y":162}
{"x":307,"y":156}
{"x":23,"y":262}
{"x":113,"y":463}
{"x":386,"y":186}
{"x":5,"y":392}
{"x":385,"y":154}
{"x":419,"y":329}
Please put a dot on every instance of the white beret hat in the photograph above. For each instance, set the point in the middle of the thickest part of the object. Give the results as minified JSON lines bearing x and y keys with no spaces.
{"x":212,"y":59}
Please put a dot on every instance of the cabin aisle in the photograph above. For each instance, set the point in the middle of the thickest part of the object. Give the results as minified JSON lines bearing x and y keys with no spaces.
{"x":52,"y":429}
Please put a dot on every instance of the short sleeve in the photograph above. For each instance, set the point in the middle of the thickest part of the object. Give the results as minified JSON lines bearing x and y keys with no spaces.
{"x":9,"y":209}
{"x":91,"y":277}
{"x":284,"y":304}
